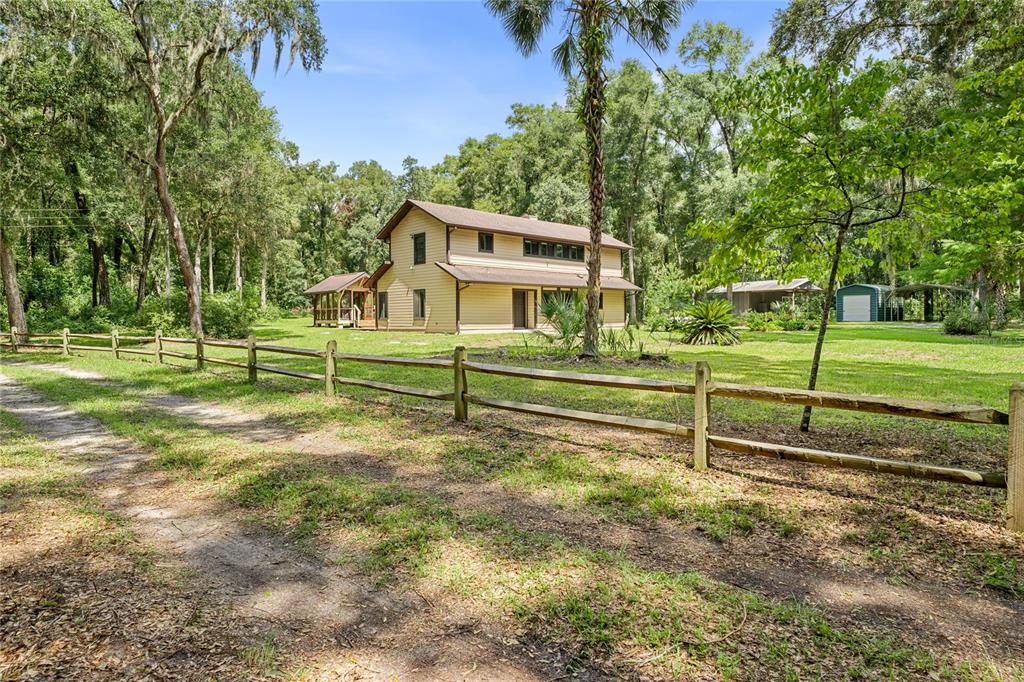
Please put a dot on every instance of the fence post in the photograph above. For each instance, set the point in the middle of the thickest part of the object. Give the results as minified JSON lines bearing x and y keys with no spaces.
{"x":158,"y":340}
{"x":65,"y":341}
{"x":701,"y":400}
{"x":199,"y":351}
{"x":461,"y":409}
{"x":1015,"y":463}
{"x":114,"y":344}
{"x":250,"y":345}
{"x":329,"y":368}
{"x":14,"y":339}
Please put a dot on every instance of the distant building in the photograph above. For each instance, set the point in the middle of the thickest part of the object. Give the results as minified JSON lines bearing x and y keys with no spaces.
{"x":452,"y":269}
{"x":761,"y":294}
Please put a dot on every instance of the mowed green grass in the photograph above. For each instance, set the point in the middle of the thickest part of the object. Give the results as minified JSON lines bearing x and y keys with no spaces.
{"x":899,"y":360}
{"x":598,"y":603}
{"x":891,"y":359}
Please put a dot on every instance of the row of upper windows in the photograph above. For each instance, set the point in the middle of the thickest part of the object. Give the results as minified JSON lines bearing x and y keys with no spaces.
{"x":485,"y":244}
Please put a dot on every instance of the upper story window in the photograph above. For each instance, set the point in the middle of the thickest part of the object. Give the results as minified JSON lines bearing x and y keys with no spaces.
{"x":552,"y":250}
{"x":485,"y":242}
{"x":419,"y":248}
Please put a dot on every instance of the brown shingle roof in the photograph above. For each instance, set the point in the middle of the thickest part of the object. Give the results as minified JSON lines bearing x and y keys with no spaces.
{"x":335,"y":283}
{"x":545,"y":278}
{"x":504,"y":224}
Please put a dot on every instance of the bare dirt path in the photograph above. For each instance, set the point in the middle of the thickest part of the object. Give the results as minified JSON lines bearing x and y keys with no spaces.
{"x":342,"y":623}
{"x":940,"y":620}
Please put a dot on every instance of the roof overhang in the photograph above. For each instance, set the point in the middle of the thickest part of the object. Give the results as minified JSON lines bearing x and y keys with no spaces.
{"x":371,"y":281}
{"x":472,"y":274}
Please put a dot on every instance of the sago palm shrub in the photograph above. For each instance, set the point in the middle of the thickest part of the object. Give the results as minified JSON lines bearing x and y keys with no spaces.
{"x":709,"y":323}
{"x":567,"y":319}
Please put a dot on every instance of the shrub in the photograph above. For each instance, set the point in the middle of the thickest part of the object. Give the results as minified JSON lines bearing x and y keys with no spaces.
{"x":567,"y":318}
{"x":757,"y":322}
{"x":226,"y":315}
{"x":710,"y":323}
{"x":966,"y":320}
{"x":668,"y":291}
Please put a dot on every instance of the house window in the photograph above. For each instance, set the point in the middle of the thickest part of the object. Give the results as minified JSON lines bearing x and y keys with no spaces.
{"x":558,"y":250}
{"x":382,"y":305}
{"x":419,"y":304}
{"x":600,"y":301}
{"x":564,"y":295}
{"x":485,"y":242}
{"x":419,"y":248}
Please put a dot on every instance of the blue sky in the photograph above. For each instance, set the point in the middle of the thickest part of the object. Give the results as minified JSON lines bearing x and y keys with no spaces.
{"x":417,"y":78}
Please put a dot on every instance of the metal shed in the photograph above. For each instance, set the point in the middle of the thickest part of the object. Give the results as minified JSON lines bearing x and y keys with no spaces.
{"x":867,"y":303}
{"x":761,"y":294}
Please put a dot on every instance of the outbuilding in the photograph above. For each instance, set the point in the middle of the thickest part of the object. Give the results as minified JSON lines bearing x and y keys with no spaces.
{"x":867,"y":303}
{"x":761,"y":294}
{"x":343,"y":301}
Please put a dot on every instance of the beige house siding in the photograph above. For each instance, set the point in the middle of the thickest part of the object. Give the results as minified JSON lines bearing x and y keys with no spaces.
{"x":508,"y":253}
{"x":481,"y":307}
{"x":488,"y":308}
{"x":403,"y":277}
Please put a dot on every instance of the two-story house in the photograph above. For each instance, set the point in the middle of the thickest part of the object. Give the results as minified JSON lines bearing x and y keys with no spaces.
{"x":459,"y":270}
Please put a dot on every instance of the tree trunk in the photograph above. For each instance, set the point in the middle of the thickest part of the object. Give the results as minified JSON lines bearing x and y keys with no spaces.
{"x":999,"y":318}
{"x":148,"y":238}
{"x":594,"y":50}
{"x":830,"y":292}
{"x":118,"y":251}
{"x":195,"y":316}
{"x":209,"y":258}
{"x":100,"y":278}
{"x":238,"y":263}
{"x":264,"y":266}
{"x":167,"y":268}
{"x":197,"y":266}
{"x":12,"y":294}
{"x":632,"y":269}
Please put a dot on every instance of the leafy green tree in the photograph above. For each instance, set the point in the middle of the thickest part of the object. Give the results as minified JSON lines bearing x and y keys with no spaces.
{"x":588,"y":28}
{"x":838,"y":166}
{"x":174,"y":50}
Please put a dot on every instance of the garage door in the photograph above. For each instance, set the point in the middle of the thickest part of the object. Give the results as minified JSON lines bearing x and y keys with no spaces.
{"x":856,"y":308}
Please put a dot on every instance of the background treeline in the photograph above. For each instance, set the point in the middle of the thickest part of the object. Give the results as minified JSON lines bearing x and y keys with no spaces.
{"x":812,"y":159}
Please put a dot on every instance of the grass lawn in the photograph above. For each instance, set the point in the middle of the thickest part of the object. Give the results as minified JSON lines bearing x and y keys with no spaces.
{"x":585,"y":539}
{"x":894,"y":360}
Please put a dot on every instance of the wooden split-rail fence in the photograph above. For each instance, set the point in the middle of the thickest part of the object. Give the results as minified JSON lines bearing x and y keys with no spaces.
{"x":703,"y":389}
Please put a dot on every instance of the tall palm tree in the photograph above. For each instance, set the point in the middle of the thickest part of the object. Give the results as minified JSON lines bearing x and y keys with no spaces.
{"x":589,"y":26}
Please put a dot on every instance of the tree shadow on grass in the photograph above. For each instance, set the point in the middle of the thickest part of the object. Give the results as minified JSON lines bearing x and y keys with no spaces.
{"x":412,"y":530}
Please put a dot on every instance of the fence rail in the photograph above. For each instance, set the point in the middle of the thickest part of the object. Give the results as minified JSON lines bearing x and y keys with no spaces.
{"x":703,"y":390}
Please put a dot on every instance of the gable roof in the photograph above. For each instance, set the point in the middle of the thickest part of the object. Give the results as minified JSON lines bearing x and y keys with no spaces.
{"x":334,"y":283}
{"x":530,"y":228}
{"x":764,"y":285}
{"x":882,"y":288}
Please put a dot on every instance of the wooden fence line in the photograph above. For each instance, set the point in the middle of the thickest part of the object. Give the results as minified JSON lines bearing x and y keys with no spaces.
{"x":703,"y":389}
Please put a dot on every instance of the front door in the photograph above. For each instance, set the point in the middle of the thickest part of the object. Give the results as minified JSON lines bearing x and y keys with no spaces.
{"x":519,"y":310}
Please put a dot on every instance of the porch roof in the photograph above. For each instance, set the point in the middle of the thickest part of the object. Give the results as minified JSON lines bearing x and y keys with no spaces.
{"x":336,"y":283}
{"x":544,"y":278}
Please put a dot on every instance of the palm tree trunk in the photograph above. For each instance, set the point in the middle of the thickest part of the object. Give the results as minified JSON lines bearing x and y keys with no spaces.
{"x":826,"y":307}
{"x":177,"y":234}
{"x":12,"y":293}
{"x":632,"y":268}
{"x":594,"y":47}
